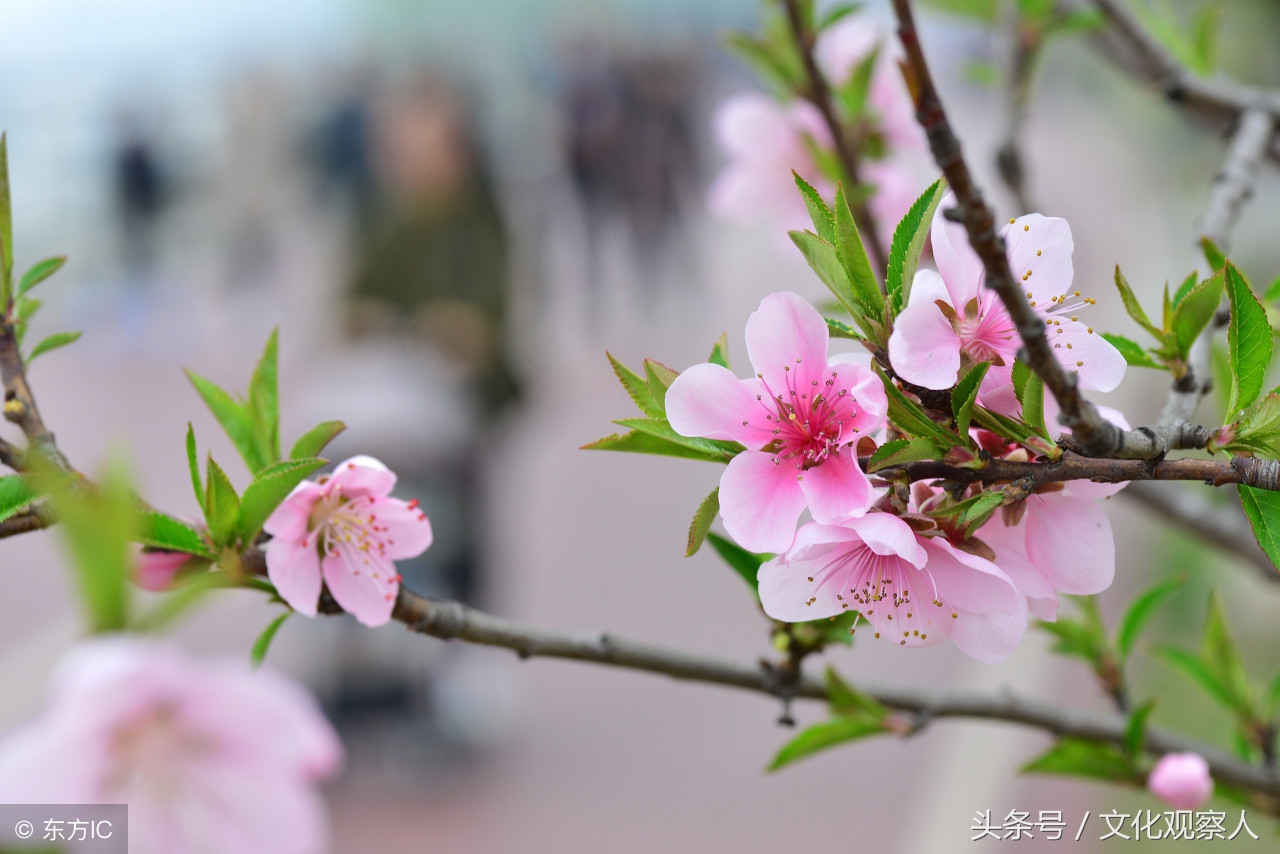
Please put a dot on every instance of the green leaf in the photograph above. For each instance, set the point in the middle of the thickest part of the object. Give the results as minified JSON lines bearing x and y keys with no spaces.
{"x":1010,"y":429}
{"x":1076,"y":639}
{"x":1249,"y":341}
{"x":1193,"y":313}
{"x":222,"y":505}
{"x":1213,"y":254}
{"x":637,"y":442}
{"x":312,"y":442}
{"x":40,"y":271}
{"x":53,"y":342}
{"x":853,"y":257}
{"x":98,"y":528}
{"x":263,"y":407}
{"x":853,"y":92}
{"x":741,"y":561}
{"x":27,"y":307}
{"x":1135,"y":730}
{"x":720,"y":352}
{"x":1198,"y":671}
{"x":846,"y":700}
{"x":661,"y":429}
{"x":973,"y":511}
{"x":1132,"y":351}
{"x":659,"y":378}
{"x":269,"y":487}
{"x":164,"y":532}
{"x":775,"y":66}
{"x":829,"y":630}
{"x":901,"y":451}
{"x":637,"y":387}
{"x":263,"y":643}
{"x":1134,"y":308}
{"x":838,"y":329}
{"x":193,"y":589}
{"x":6,"y":226}
{"x":825,"y":261}
{"x":1140,"y":612}
{"x":965,"y":395}
{"x":1219,"y":651}
{"x":1273,"y":291}
{"x":910,"y":418}
{"x":1262,"y":506}
{"x":907,"y":244}
{"x":837,"y":12}
{"x":826,"y":735}
{"x":16,"y":494}
{"x":824,"y":221}
{"x":1075,"y":757}
{"x":1185,"y":288}
{"x":233,"y":418}
{"x":701,"y":524}
{"x":193,"y":463}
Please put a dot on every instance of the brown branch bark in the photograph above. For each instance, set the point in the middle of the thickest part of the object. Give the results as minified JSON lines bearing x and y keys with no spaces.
{"x":819,"y":94}
{"x":20,"y":404}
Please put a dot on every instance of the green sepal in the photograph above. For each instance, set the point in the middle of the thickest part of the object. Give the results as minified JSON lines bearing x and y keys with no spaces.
{"x":701,"y":524}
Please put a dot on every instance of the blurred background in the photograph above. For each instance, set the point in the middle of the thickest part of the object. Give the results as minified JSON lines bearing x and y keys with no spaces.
{"x":452,"y":210}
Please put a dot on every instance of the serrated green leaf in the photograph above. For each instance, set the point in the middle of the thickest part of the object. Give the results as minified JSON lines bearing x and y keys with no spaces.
{"x":701,"y":524}
{"x":222,"y":505}
{"x":636,"y":442}
{"x":40,"y":271}
{"x":1185,"y":288}
{"x":1032,"y":400}
{"x":52,"y":342}
{"x":720,"y":352}
{"x":263,"y":643}
{"x":165,"y":532}
{"x":1219,"y":651}
{"x":1132,"y":351}
{"x":1194,"y":311}
{"x":910,"y":418}
{"x":853,"y":257}
{"x":1262,"y":506}
{"x":1135,"y":729}
{"x":193,"y":463}
{"x":746,"y":564}
{"x":1249,"y":341}
{"x":1134,"y":308}
{"x":233,"y":418}
{"x":908,"y":242}
{"x":825,"y":735}
{"x":263,"y":406}
{"x":1140,"y":612}
{"x":1213,"y":254}
{"x":972,"y":512}
{"x":901,"y":451}
{"x":825,"y":262}
{"x":824,"y":221}
{"x":661,"y":429}
{"x":965,"y":395}
{"x":839,"y":329}
{"x":312,"y":442}
{"x":637,"y":388}
{"x":659,"y":378}
{"x":269,"y":487}
{"x":1075,"y":757}
{"x":16,"y":494}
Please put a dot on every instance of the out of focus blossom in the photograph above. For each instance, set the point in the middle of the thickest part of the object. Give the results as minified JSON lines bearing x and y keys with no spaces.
{"x":209,"y":756}
{"x":1181,"y":780}
{"x":155,"y":569}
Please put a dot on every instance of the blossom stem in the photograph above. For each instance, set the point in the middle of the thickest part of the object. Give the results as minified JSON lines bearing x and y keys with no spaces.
{"x":818,"y":93}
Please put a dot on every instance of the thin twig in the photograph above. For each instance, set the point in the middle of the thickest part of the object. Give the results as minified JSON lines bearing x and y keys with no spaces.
{"x":1023,"y":46}
{"x":453,"y":620}
{"x":1127,"y":44}
{"x":20,"y":404}
{"x":819,"y":94}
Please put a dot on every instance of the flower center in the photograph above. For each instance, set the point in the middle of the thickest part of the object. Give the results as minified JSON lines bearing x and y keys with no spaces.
{"x":153,"y":755}
{"x":809,"y":422}
{"x":986,"y":331}
{"x":880,"y":587}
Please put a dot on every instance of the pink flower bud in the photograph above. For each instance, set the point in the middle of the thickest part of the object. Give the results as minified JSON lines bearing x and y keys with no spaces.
{"x":1181,"y":780}
{"x":155,"y":570}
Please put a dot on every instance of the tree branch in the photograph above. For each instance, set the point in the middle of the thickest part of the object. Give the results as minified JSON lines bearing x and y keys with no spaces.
{"x":453,"y":620}
{"x":818,"y":93}
{"x":20,"y":404}
{"x":1127,"y":45}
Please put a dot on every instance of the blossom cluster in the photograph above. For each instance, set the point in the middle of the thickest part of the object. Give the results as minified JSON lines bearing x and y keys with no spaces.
{"x":909,"y":571}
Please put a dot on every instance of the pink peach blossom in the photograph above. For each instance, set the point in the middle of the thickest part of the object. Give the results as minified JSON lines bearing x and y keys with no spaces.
{"x":209,"y":756}
{"x":952,"y":322}
{"x":798,"y":418}
{"x":912,"y":589}
{"x":344,"y":529}
{"x":1181,"y":780}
